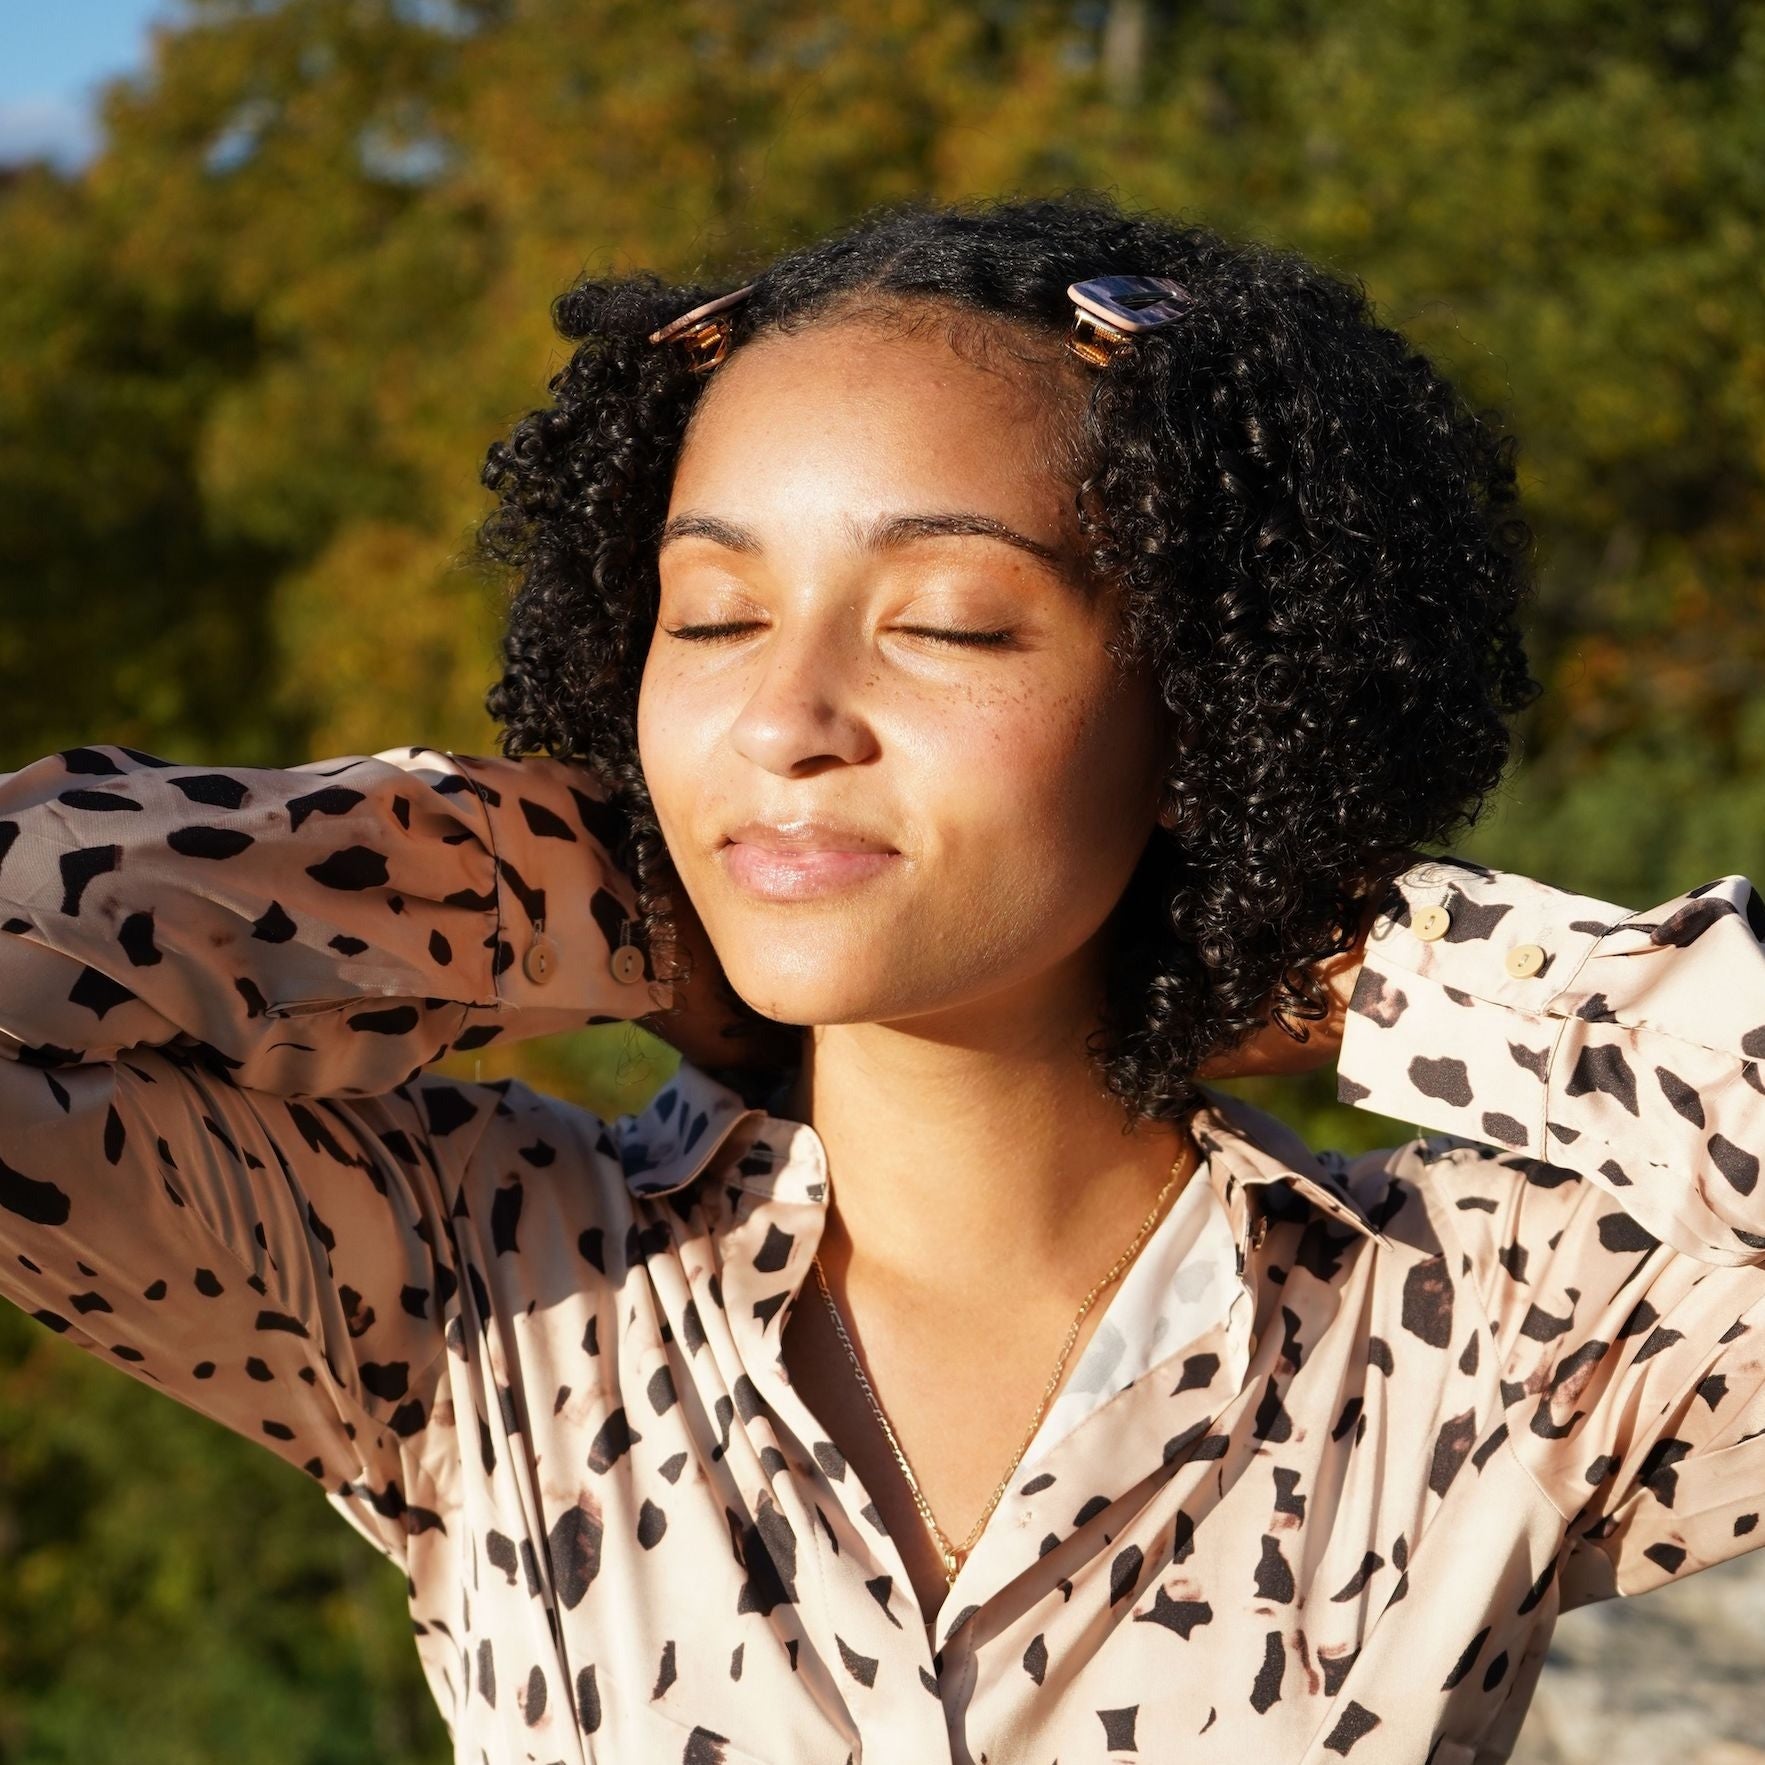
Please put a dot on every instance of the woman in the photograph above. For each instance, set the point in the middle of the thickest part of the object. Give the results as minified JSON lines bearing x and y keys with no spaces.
{"x":989,"y":672}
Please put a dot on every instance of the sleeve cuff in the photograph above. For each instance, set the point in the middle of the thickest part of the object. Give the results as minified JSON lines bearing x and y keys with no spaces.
{"x":562,"y":903}
{"x":1453,"y":1021}
{"x":1623,"y":1046}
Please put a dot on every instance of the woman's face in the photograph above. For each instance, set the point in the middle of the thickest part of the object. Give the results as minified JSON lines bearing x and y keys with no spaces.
{"x":1017,"y":781}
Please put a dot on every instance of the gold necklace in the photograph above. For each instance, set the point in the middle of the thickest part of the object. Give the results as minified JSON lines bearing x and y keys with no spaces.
{"x":955,"y":1555}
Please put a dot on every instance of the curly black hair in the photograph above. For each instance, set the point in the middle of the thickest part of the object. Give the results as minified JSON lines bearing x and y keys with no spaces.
{"x":1319,"y":543}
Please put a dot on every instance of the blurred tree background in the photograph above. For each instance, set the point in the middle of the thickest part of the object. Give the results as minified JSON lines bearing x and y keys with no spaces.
{"x":252,"y":355}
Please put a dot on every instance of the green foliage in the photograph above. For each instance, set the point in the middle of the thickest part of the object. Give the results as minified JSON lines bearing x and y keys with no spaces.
{"x":251,"y":358}
{"x":173,"y":1592}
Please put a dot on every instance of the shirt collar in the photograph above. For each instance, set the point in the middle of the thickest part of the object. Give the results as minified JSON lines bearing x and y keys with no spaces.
{"x":674,"y":1137}
{"x":1252,"y":1150}
{"x":682,"y":1130}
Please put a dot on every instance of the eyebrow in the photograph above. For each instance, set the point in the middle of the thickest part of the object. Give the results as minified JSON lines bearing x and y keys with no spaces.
{"x":886,"y":533}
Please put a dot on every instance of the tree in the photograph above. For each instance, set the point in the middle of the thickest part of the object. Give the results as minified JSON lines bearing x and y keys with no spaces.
{"x":253,"y":355}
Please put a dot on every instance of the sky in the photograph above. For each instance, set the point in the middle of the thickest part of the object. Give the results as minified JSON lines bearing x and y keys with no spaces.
{"x":53,"y":53}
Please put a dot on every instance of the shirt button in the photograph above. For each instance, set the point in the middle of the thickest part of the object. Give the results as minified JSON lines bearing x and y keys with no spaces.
{"x":626,"y":963}
{"x":541,"y":961}
{"x":1525,"y":959}
{"x":1430,"y":923}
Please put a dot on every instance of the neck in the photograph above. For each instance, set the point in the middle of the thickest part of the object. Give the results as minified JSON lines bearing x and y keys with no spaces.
{"x":981,"y":1161}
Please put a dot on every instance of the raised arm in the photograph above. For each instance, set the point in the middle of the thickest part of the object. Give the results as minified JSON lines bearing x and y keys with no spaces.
{"x":1628,"y":1047}
{"x":323,"y":930}
{"x":220,"y":1168}
{"x":1540,"y":1032}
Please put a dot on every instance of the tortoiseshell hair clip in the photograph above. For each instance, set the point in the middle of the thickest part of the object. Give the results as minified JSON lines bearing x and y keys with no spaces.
{"x":1109,"y":314}
{"x":704,"y":332}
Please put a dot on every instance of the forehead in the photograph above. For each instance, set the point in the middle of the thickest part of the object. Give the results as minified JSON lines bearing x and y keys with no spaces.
{"x":861,"y":403}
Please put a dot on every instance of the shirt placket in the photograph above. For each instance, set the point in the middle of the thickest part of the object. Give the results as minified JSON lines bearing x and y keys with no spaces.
{"x":767,"y":1257}
{"x":1156,"y":1421}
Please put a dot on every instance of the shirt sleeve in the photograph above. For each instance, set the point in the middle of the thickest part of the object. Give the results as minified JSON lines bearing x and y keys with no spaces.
{"x":325,"y":930}
{"x":221,"y":1166}
{"x":1541,"y":1032}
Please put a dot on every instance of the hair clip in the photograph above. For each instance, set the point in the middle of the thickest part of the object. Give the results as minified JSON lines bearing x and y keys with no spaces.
{"x":704,"y":332}
{"x":1110,"y":312}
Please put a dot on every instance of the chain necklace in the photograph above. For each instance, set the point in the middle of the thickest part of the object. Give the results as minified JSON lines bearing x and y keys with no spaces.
{"x":954,"y":1555}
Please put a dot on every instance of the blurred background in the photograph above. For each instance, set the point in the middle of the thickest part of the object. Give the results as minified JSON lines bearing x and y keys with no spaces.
{"x":273,"y":275}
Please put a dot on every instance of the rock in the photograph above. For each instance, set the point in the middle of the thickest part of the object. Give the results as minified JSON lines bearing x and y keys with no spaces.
{"x":1676,"y":1674}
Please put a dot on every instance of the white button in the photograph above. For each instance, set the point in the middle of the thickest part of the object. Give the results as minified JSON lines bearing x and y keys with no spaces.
{"x":626,"y":963}
{"x":1430,"y":923}
{"x":1524,"y":960}
{"x":541,"y":961}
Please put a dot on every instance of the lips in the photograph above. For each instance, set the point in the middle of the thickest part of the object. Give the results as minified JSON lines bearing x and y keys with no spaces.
{"x":807,"y":835}
{"x":795,"y":874}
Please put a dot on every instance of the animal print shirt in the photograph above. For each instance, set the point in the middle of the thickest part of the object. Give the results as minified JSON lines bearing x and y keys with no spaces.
{"x":1326,"y":1506}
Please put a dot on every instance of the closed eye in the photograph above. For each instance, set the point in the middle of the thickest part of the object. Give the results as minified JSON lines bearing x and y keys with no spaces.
{"x":708,"y":633}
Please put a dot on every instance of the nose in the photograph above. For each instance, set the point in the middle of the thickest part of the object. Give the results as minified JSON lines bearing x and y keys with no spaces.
{"x":804,"y":701}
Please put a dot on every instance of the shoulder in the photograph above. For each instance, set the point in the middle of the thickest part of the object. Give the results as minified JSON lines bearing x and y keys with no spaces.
{"x":505,"y":1149}
{"x":1447,"y":1190}
{"x":1552,"y":1255}
{"x":1497,"y":1208}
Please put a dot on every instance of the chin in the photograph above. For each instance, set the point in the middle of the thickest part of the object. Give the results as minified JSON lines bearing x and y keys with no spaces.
{"x":807,"y":1009}
{"x":810,"y":1000}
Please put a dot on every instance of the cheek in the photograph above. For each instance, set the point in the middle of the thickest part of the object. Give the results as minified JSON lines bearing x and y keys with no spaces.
{"x":1049,"y":766}
{"x":667,"y":734}
{"x":1039,"y":803}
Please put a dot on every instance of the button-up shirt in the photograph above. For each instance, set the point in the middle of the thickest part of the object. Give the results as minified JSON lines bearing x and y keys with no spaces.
{"x":1350,"y":1434}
